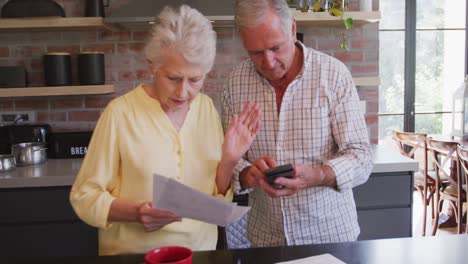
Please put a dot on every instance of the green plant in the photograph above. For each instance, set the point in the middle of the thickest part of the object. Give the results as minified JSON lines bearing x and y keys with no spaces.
{"x":337,"y":8}
{"x":291,"y":3}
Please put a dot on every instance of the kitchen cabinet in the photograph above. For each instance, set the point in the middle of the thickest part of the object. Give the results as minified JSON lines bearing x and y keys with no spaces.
{"x":53,"y":23}
{"x":41,"y":222}
{"x":56,"y":90}
{"x":384,"y":205}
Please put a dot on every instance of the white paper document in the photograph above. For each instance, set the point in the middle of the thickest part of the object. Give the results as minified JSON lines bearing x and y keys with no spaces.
{"x":184,"y":201}
{"x":320,"y":259}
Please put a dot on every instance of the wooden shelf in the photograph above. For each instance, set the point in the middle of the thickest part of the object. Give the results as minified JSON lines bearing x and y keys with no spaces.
{"x":324,"y":18}
{"x":99,"y":23}
{"x":53,"y":23}
{"x":366,"y":81}
{"x":56,"y":90}
{"x":311,"y":18}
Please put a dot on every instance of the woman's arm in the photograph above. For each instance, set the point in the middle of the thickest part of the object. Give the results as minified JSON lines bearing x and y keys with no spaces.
{"x":237,"y":140}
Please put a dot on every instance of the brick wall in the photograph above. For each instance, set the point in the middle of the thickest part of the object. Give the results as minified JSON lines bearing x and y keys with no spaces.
{"x":125,"y":64}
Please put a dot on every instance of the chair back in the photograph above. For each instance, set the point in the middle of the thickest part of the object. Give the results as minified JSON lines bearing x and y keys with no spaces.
{"x":443,"y":154}
{"x":413,"y":145}
{"x":462,"y":154}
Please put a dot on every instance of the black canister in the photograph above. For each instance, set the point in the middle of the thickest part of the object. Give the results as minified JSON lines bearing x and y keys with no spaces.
{"x":91,"y":68}
{"x":57,"y":69}
{"x":94,"y":8}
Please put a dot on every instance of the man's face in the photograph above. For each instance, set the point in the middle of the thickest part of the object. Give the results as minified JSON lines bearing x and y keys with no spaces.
{"x":270,"y":49}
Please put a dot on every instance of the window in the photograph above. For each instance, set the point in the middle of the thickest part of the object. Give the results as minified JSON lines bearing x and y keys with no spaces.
{"x":392,"y":66}
{"x":439,"y":59}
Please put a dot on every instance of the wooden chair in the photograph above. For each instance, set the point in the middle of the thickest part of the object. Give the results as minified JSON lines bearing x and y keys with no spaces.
{"x":413,"y":145}
{"x":462,"y":153}
{"x":444,"y":156}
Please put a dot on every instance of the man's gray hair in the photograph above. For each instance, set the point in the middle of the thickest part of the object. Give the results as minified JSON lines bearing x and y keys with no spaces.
{"x":187,"y":31}
{"x":250,"y":13}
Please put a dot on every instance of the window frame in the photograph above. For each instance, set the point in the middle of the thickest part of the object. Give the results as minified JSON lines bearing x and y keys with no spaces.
{"x":409,"y":87}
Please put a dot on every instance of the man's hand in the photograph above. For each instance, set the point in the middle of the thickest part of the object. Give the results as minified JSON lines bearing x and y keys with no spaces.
{"x":251,"y":176}
{"x":154,"y":219}
{"x":305,"y":177}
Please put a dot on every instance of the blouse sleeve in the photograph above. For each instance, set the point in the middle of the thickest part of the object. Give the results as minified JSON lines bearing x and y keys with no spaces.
{"x":215,"y":119}
{"x":91,"y":194}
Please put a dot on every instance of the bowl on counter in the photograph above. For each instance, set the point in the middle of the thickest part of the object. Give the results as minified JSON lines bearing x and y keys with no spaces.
{"x":29,"y":153}
{"x":7,"y":163}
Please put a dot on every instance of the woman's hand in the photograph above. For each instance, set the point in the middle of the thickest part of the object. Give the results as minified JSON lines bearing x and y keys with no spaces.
{"x":154,"y":219}
{"x":241,"y":133}
{"x":237,"y":140}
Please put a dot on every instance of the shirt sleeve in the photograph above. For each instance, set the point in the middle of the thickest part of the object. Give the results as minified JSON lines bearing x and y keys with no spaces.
{"x":227,"y":113}
{"x":90,"y":195}
{"x":352,"y":163}
{"x":216,"y":120}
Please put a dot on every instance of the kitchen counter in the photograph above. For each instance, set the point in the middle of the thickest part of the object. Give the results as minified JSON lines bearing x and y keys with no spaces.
{"x":42,"y":222}
{"x":425,"y":250}
{"x":387,"y":159}
{"x":55,"y":172}
{"x":62,"y":172}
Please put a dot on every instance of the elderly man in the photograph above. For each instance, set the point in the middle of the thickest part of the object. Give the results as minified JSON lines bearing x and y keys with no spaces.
{"x":311,"y":119}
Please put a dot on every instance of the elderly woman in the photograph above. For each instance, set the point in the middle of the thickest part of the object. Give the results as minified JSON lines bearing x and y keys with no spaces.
{"x":165,"y":127}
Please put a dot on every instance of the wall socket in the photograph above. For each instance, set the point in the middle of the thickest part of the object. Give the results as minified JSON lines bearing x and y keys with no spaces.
{"x":17,"y":116}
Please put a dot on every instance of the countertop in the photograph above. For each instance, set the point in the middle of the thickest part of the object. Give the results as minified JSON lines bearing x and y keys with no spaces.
{"x":62,"y":172}
{"x":427,"y":250}
{"x":55,"y":172}
{"x":387,"y":159}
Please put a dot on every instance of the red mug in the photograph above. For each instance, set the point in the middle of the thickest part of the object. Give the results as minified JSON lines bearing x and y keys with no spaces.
{"x":172,"y":254}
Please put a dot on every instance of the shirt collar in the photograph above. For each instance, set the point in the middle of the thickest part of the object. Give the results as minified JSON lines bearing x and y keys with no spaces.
{"x":304,"y":57}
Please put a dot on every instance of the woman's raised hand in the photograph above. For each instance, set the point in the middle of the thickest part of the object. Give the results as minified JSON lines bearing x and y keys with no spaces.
{"x":241,"y":132}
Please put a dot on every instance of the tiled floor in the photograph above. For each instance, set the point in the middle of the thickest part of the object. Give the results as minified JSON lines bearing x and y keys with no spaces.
{"x":418,"y":218}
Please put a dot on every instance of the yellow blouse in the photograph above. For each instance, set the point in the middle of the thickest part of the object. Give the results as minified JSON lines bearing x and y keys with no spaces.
{"x":134,"y":139}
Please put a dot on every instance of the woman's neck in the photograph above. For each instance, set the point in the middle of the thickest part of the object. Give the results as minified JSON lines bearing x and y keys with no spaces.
{"x":176,"y":116}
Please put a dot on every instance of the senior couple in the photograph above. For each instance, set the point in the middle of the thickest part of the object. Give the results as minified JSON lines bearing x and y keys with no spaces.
{"x":310,"y":117}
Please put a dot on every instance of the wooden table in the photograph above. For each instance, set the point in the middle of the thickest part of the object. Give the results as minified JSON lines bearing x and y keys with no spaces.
{"x":425,"y":250}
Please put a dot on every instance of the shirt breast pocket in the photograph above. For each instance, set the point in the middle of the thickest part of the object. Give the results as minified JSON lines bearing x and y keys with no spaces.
{"x":315,"y":120}
{"x":311,"y":133}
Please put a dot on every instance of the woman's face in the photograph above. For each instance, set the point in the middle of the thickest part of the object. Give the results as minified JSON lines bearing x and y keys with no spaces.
{"x":176,"y":82}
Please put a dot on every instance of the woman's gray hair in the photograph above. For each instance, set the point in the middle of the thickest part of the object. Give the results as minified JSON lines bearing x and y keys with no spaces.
{"x":250,"y":13}
{"x":187,"y":31}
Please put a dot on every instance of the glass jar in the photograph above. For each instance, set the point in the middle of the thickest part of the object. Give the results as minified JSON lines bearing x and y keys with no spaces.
{"x":304,"y":5}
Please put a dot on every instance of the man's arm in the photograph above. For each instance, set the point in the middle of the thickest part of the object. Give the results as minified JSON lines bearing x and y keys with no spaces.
{"x":352,"y":163}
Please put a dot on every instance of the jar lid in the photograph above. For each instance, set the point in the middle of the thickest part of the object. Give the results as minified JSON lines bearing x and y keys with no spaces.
{"x":58,"y":54}
{"x":91,"y":52}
